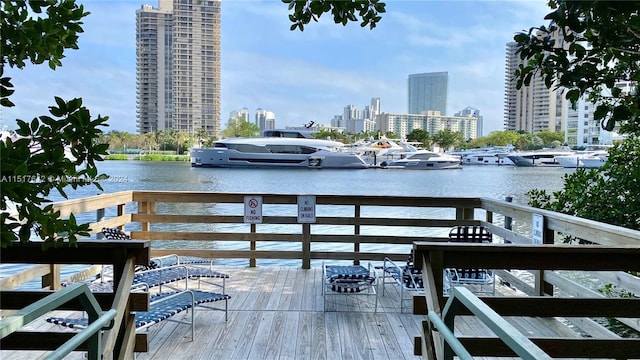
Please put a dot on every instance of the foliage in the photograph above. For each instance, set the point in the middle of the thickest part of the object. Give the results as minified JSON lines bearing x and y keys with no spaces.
{"x":241,"y":128}
{"x":610,"y":194}
{"x":158,"y":157}
{"x":334,"y":135}
{"x":34,"y":163}
{"x":495,"y":138}
{"x":343,"y":11}
{"x":420,"y":136}
{"x":447,"y":138}
{"x":549,"y":137}
{"x":116,"y":157}
{"x":599,"y":48}
{"x":610,"y":290}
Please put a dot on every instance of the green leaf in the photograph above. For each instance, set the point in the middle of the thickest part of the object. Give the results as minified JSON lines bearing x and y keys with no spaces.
{"x":573,"y":95}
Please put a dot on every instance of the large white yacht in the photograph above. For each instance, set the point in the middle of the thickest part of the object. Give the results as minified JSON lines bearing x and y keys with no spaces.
{"x":537,"y":158}
{"x":278,"y":149}
{"x":490,"y":155}
{"x":424,"y":160}
{"x":594,"y":156}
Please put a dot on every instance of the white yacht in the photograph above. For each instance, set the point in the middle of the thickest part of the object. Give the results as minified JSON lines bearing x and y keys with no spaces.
{"x":490,"y":155}
{"x":595,"y":160}
{"x":594,"y":156}
{"x":288,"y":149}
{"x":424,"y":160}
{"x":537,"y":158}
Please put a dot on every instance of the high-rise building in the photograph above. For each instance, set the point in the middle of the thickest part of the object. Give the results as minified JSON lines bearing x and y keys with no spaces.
{"x":266,"y":120}
{"x":473,"y":112}
{"x":242,"y":114}
{"x":534,"y":107}
{"x":428,"y":92}
{"x":178,"y":66}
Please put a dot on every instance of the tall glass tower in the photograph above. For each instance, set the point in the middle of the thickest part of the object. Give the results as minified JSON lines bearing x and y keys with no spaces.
{"x":428,"y":91}
{"x":178,"y":66}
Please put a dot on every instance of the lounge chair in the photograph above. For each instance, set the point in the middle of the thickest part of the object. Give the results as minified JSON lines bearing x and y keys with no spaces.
{"x":478,"y":277}
{"x":406,"y":276}
{"x":168,"y":276}
{"x":178,"y":266}
{"x":349,"y":280}
{"x":160,"y":261}
{"x":162,"y":307}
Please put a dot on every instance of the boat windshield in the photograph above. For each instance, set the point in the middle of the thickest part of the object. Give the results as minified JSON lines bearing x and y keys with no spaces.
{"x":290,"y":149}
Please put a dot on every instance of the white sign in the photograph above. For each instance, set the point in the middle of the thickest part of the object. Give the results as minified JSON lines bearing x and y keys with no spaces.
{"x":253,"y":209}
{"x":537,"y":228}
{"x":306,"y":209}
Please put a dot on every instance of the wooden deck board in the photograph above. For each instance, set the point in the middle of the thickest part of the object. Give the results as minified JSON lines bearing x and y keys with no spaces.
{"x":279,"y":313}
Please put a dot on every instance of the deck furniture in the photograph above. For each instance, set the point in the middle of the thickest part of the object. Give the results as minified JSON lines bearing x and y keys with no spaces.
{"x":407,"y":276}
{"x":162,"y":306}
{"x":351,"y":280}
{"x":479,"y":278}
{"x":157,"y":261}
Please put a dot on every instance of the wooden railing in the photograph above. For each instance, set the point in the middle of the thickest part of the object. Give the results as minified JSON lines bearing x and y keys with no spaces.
{"x":121,"y":340}
{"x":434,"y":257}
{"x":353,"y":228}
{"x":345,"y":228}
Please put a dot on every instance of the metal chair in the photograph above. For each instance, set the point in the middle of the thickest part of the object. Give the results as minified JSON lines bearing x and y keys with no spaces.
{"x":479,"y":278}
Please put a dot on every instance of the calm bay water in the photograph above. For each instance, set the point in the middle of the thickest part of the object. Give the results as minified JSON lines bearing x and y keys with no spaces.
{"x":478,"y":181}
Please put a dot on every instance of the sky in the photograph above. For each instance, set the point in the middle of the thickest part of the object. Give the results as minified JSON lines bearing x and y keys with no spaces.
{"x":300,"y":76}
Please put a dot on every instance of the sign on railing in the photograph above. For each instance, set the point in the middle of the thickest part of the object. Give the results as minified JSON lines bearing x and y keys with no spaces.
{"x":537,"y":229}
{"x":306,"y":209}
{"x":253,"y":209}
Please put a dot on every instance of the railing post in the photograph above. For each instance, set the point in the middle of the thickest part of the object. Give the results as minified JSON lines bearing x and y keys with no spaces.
{"x":356,"y":231}
{"x":100,"y":215}
{"x":507,"y":219}
{"x":252,"y":245}
{"x":52,"y":279}
{"x":306,"y":246}
{"x":143,"y":208}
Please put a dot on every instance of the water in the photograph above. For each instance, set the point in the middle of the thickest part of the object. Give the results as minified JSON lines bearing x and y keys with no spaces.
{"x":495,"y":182}
{"x":477,"y":181}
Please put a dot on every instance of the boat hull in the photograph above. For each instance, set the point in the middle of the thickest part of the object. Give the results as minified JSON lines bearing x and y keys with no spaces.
{"x":422,"y":165}
{"x":225,"y":158}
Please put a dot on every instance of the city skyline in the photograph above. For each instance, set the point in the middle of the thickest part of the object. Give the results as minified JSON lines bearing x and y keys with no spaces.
{"x":300,"y":76}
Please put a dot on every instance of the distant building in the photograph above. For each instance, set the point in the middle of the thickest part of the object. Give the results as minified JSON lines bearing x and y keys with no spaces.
{"x":428,"y":92}
{"x":337,"y":121}
{"x":357,"y":121}
{"x":178,"y":66}
{"x":583,"y":130}
{"x":535,"y":107}
{"x":532,"y":108}
{"x":469,"y":111}
{"x":266,"y":120}
{"x":242,"y":114}
{"x":432,"y":122}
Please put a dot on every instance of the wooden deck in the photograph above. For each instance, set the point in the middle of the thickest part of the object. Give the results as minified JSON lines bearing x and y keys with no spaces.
{"x":278,"y":313}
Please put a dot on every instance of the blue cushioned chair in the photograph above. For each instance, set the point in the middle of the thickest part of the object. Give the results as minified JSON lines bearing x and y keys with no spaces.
{"x":349,"y":280}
